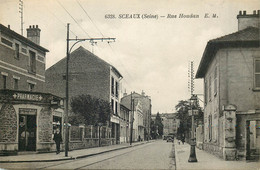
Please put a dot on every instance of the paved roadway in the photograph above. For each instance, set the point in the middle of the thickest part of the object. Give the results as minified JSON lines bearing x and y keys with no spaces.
{"x":154,"y":155}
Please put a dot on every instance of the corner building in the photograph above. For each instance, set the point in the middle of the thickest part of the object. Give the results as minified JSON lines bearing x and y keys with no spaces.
{"x":230,"y":67}
{"x":28,"y":115}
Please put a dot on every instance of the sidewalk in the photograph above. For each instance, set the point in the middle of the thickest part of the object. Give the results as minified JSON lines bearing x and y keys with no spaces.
{"x":207,"y":161}
{"x":75,"y":154}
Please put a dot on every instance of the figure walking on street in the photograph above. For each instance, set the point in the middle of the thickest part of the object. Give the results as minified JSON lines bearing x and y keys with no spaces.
{"x":58,"y":139}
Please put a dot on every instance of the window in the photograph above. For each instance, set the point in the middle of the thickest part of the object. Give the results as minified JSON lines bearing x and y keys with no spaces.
{"x":116,"y":109}
{"x":4,"y":81}
{"x":16,"y":51}
{"x":112,"y":104}
{"x":117,"y":89}
{"x":31,"y":86}
{"x":209,"y":88}
{"x":210,"y":127}
{"x":215,"y":81}
{"x":16,"y":84}
{"x":257,"y":74}
{"x":7,"y":42}
{"x":32,"y":66}
{"x":205,"y":92}
{"x":112,"y":86}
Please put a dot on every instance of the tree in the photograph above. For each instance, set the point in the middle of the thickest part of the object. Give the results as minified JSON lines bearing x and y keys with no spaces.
{"x":158,"y":122}
{"x":89,"y":110}
{"x":185,"y":121}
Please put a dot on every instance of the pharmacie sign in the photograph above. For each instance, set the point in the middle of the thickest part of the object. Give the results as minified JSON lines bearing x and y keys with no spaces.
{"x":26,"y":96}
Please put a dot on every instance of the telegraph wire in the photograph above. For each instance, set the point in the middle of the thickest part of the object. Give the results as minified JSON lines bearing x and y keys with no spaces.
{"x":103,"y":36}
{"x":60,"y":21}
{"x":73,"y":18}
{"x":89,"y":18}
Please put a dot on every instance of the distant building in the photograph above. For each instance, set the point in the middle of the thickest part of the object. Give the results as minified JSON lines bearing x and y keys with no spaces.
{"x":138,"y":119}
{"x":146,"y":109}
{"x":170,"y":123}
{"x":124,"y":124}
{"x":88,"y":74}
{"x":230,"y":67}
{"x":28,"y":116}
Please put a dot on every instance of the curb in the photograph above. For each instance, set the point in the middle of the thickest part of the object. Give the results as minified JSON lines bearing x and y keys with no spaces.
{"x":77,"y":157}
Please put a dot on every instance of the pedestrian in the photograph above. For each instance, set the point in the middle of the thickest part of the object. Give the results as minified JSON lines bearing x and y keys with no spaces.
{"x":183,"y":139}
{"x":58,"y":139}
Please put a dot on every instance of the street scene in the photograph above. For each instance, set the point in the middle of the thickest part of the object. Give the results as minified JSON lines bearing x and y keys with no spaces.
{"x":135,"y":84}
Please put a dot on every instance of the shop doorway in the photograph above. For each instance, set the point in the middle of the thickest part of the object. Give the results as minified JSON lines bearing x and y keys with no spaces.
{"x":253,"y":140}
{"x":27,"y":132}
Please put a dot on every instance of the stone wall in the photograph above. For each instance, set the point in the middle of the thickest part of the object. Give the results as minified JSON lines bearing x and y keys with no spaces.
{"x":45,"y":125}
{"x":8,"y":124}
{"x":90,"y":143}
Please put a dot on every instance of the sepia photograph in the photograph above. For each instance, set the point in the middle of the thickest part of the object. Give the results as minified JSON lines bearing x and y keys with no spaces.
{"x":130,"y":84}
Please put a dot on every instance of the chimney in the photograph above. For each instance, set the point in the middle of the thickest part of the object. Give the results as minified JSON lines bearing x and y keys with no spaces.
{"x":248,"y":20}
{"x":143,"y":93}
{"x":33,"y":34}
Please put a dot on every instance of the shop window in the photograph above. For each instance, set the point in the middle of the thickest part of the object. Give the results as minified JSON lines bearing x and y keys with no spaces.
{"x":257,"y":74}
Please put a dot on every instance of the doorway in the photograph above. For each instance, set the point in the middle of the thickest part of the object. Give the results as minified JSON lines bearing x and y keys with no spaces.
{"x":27,"y":132}
{"x":253,"y":140}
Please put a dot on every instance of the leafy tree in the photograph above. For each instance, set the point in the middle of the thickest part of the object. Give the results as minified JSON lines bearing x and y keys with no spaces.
{"x":89,"y":110}
{"x":159,"y":124}
{"x":182,"y":114}
{"x":185,"y":120}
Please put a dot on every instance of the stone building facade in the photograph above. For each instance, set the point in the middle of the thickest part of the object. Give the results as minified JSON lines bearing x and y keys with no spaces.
{"x":230,"y":68}
{"x":28,"y":116}
{"x":136,"y":116}
{"x":170,"y":123}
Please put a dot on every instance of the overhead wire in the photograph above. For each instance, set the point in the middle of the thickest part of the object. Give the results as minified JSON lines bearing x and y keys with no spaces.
{"x":73,"y":18}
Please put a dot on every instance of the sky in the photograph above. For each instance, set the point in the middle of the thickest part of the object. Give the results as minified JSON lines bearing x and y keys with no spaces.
{"x":152,"y":53}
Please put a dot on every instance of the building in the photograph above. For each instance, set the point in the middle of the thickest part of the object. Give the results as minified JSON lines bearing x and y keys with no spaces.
{"x":28,"y":116}
{"x":138,"y":117}
{"x":88,"y":74}
{"x":230,"y":67}
{"x":146,"y":109}
{"x":170,"y":123}
{"x":124,"y":124}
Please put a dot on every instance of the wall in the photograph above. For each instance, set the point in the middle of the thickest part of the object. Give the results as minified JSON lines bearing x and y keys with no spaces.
{"x":88,"y":75}
{"x":237,"y":78}
{"x":19,"y":68}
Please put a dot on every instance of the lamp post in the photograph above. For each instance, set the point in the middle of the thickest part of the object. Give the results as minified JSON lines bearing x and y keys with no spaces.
{"x":67,"y":80}
{"x":192,"y":112}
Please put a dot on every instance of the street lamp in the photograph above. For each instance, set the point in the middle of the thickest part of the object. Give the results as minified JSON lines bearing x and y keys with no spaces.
{"x":193,"y":112}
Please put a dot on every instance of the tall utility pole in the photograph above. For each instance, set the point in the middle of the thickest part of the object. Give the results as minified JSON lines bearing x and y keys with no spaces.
{"x":131,"y":121}
{"x":191,"y":77}
{"x":67,"y":80}
{"x":21,"y":11}
{"x":193,"y":98}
